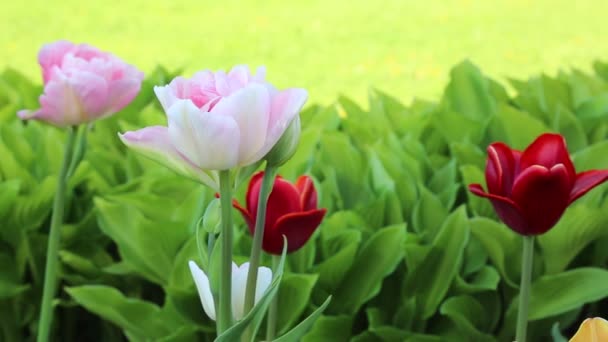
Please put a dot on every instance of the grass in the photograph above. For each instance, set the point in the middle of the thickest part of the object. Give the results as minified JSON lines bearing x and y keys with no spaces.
{"x":404,"y":47}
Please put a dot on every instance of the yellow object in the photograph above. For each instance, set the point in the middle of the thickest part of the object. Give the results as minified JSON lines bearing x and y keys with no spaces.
{"x":592,"y":330}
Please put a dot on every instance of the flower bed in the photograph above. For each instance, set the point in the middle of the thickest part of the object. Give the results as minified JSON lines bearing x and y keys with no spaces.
{"x":404,"y":249}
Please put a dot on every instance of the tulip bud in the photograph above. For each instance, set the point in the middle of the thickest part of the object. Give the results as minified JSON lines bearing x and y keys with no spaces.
{"x":212,"y":217}
{"x":287,"y":145}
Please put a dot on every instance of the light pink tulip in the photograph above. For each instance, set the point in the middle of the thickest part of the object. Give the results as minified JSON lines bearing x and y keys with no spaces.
{"x":217,"y":121}
{"x":82,"y":84}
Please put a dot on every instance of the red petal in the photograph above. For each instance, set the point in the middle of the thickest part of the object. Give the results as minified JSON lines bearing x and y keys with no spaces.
{"x":246,"y":215}
{"x":501,"y":168}
{"x":548,"y":150}
{"x":297,"y":228}
{"x":586,"y":181}
{"x":308,"y":193}
{"x":253,"y":193}
{"x":543,"y":196}
{"x":284,"y":199}
{"x":507,"y":210}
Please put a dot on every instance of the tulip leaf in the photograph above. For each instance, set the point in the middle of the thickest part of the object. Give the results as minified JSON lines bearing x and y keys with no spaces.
{"x":296,"y":334}
{"x":330,"y":329}
{"x":502,"y":245}
{"x":430,"y":281}
{"x":138,"y":317}
{"x":468,"y":92}
{"x":255,"y":316}
{"x":578,"y":227}
{"x":428,"y":215}
{"x":149,"y":245}
{"x":555,"y":294}
{"x":515,"y":127}
{"x":469,"y":317}
{"x":378,"y":256}
{"x":293,"y":298}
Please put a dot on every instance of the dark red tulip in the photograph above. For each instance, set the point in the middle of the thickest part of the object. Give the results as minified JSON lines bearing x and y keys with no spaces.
{"x":292,"y":211}
{"x":530,"y":190}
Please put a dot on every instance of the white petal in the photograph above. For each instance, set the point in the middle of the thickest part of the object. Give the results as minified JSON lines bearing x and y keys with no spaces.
{"x":204,"y":290}
{"x":264,"y":279}
{"x":239,"y":286}
{"x":166,"y":95}
{"x":250,"y":108}
{"x":154,"y":143}
{"x":210,"y":141}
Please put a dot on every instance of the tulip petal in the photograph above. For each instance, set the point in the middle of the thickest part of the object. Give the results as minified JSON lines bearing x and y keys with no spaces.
{"x":92,"y":91}
{"x":507,"y":210}
{"x":548,"y":150}
{"x":585,"y":181}
{"x":308,"y":194}
{"x":210,"y":141}
{"x":592,"y":330}
{"x":51,"y":55}
{"x":501,"y":168}
{"x":543,"y":195}
{"x":154,"y":143}
{"x":246,"y":215}
{"x":253,"y":192}
{"x":263,"y":282}
{"x":250,"y":108}
{"x":239,"y":286}
{"x":204,"y":290}
{"x":297,"y":228}
{"x":284,"y":199}
{"x":122,"y":92}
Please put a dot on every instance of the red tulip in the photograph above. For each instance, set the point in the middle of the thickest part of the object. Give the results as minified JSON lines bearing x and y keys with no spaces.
{"x":530,"y":190}
{"x":291,"y":211}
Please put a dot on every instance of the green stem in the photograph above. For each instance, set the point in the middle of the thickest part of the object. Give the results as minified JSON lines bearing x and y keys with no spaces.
{"x":524,"y":288}
{"x":256,"y":248}
{"x":224,"y":315}
{"x":50,"y":276}
{"x":271,"y":328}
{"x":78,"y":150}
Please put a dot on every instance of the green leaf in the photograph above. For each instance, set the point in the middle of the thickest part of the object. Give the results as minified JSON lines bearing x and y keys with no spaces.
{"x":330,"y":329}
{"x":293,"y":298}
{"x":578,"y":227}
{"x":502,"y":245}
{"x":555,"y":294}
{"x":430,"y":281}
{"x":296,"y":334}
{"x":428,"y":215}
{"x":378,"y":258}
{"x":516,"y":128}
{"x":469,"y":317}
{"x":138,"y":317}
{"x":468,"y":92}
{"x":149,"y":245}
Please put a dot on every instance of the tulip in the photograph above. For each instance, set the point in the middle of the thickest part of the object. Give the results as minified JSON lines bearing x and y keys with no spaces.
{"x":530,"y":190}
{"x":82,"y":84}
{"x":239,"y":276}
{"x":592,"y":330}
{"x":291,"y":211}
{"x":217,"y":121}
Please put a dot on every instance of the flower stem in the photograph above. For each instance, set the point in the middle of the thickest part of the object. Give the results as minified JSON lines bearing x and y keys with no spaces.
{"x":50,"y":275}
{"x":524,"y":288}
{"x":256,"y":248}
{"x":271,"y":327}
{"x":224,"y":320}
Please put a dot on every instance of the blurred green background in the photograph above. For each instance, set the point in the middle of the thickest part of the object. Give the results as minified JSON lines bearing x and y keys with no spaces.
{"x":331,"y":47}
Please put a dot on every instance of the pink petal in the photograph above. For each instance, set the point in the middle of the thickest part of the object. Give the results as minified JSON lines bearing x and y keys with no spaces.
{"x":51,"y":55}
{"x":548,"y":150}
{"x":507,"y":210}
{"x":92,"y":91}
{"x":585,"y":181}
{"x":154,"y":143}
{"x":543,"y":196}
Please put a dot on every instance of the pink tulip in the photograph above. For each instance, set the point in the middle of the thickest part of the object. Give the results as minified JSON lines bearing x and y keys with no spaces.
{"x":82,"y":84}
{"x":217,"y":121}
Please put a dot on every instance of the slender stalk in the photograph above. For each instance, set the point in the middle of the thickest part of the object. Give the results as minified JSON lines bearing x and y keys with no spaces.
{"x":50,"y":275}
{"x":78,"y":150}
{"x":524,"y":288}
{"x":256,"y":248}
{"x":224,"y":317}
{"x":271,"y":327}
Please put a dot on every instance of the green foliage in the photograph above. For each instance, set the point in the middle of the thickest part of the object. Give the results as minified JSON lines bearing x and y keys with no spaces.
{"x":405,"y":251}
